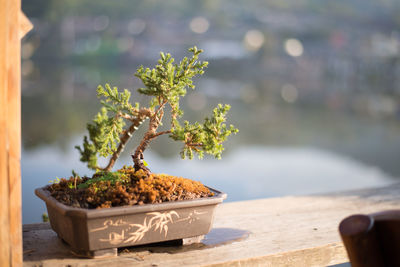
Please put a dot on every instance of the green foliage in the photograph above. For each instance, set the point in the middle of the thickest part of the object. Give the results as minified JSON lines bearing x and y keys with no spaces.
{"x":55,"y":181}
{"x":105,"y":131}
{"x":102,"y":177}
{"x":168,"y":81}
{"x":45,"y":217}
{"x":116,"y":102}
{"x":104,"y":134}
{"x":204,"y":138}
{"x":165,"y":84}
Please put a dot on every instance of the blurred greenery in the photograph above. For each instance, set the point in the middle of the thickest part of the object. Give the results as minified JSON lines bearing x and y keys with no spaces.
{"x":342,"y":93}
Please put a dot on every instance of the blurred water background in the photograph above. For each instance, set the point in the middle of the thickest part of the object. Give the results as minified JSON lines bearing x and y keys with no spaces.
{"x":314,"y":88}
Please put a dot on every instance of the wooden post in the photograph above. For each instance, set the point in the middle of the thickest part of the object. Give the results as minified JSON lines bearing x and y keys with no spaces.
{"x":13,"y":26}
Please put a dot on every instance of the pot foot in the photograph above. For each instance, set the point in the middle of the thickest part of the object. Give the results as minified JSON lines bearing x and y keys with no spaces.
{"x":192,"y":240}
{"x":97,"y":254}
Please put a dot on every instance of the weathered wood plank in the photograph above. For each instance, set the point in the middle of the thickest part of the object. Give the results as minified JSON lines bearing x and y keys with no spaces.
{"x":5,"y":247}
{"x":10,"y":131}
{"x":288,"y":231}
{"x":25,"y":25}
{"x":14,"y":132}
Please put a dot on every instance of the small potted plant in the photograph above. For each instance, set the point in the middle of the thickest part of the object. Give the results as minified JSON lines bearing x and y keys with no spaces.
{"x":132,"y":205}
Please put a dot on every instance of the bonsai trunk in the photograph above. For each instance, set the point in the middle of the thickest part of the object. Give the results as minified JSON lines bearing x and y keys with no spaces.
{"x":139,"y":165}
{"x":150,"y":134}
{"x":138,"y":155}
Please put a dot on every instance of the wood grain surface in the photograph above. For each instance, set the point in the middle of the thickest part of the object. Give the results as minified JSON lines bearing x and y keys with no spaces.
{"x":11,"y":32}
{"x":287,"y":231}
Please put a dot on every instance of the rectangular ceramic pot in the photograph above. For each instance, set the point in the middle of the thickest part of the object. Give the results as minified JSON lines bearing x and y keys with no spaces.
{"x":91,"y":230}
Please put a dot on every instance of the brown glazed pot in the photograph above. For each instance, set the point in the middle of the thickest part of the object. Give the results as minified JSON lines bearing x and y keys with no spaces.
{"x":98,"y":232}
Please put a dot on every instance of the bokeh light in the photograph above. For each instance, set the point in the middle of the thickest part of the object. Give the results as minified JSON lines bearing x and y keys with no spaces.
{"x":293,"y":47}
{"x":136,"y":26}
{"x":27,"y":50}
{"x":101,"y":23}
{"x":253,"y":40}
{"x":289,"y":93}
{"x":27,"y":67}
{"x":199,"y":25}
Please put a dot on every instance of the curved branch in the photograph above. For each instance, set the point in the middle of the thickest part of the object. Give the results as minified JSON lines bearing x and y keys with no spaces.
{"x":125,"y":116}
{"x":124,"y":140}
{"x":151,"y":133}
{"x":194,"y":144}
{"x":136,"y":122}
{"x":160,"y":133}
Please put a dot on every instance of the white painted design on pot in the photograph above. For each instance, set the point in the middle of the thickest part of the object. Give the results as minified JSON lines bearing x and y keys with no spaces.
{"x":155,"y":221}
{"x":159,"y":221}
{"x":108,"y":223}
{"x":192,"y":217}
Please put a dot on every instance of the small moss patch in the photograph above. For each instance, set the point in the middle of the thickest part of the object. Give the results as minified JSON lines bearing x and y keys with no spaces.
{"x":125,"y":187}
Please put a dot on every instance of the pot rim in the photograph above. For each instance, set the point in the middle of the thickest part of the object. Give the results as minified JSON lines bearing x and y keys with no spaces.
{"x":127,"y":210}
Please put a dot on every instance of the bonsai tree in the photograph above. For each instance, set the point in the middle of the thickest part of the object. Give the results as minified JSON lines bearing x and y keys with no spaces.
{"x":118,"y":119}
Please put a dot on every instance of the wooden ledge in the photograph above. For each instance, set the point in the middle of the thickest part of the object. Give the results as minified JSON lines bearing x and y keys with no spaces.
{"x":287,"y":231}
